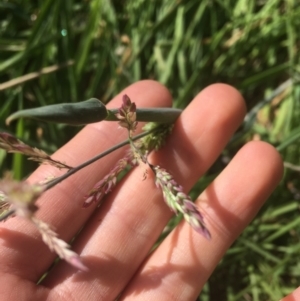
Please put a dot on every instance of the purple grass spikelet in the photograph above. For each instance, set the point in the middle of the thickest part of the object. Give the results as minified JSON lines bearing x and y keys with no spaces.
{"x":21,"y":197}
{"x":127,"y":115}
{"x":108,"y":182}
{"x":13,"y":145}
{"x":178,"y":201}
{"x":60,"y":247}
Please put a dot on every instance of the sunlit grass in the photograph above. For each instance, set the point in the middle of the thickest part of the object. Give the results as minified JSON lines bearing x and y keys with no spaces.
{"x":186,"y":45}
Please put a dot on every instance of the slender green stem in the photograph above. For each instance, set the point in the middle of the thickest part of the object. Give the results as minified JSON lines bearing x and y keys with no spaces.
{"x":72,"y":171}
{"x":94,"y":159}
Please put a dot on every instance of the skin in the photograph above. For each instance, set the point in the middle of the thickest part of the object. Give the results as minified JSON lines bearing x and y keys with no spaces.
{"x":117,"y":237}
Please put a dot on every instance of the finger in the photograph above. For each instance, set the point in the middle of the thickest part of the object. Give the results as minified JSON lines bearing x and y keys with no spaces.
{"x":117,"y":239}
{"x":179,"y":268}
{"x":294,"y":296}
{"x":61,"y":207}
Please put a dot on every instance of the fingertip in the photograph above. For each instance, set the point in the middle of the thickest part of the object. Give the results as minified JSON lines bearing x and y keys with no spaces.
{"x":227,"y":93}
{"x":237,"y":194}
{"x":266,"y":157}
{"x":295,"y":295}
{"x":219,"y":107}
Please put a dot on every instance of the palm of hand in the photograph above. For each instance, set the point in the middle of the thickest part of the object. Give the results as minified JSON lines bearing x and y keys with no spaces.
{"x":117,"y":237}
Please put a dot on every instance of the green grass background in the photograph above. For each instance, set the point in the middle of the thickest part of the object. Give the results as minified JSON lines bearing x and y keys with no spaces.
{"x":99,"y":47}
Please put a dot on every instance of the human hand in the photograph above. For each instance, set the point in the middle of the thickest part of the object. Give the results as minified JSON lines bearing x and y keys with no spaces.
{"x":117,"y":237}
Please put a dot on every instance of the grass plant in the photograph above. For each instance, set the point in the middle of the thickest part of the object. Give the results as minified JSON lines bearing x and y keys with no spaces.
{"x":66,"y":51}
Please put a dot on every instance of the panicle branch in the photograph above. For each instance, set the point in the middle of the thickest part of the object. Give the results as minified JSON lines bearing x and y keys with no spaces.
{"x":60,"y":247}
{"x":155,"y":140}
{"x":108,"y":182}
{"x":20,"y":198}
{"x":178,"y":201}
{"x":13,"y":145}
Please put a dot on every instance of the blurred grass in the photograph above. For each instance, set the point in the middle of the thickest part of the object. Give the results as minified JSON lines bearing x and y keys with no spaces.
{"x":186,"y":45}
